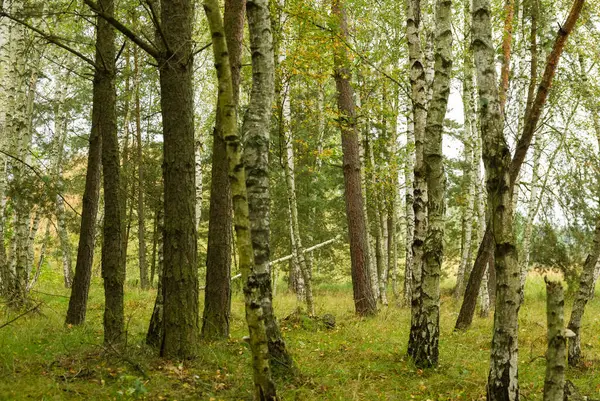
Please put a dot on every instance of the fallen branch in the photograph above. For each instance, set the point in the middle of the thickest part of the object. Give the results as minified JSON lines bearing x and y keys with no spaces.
{"x":21,"y":315}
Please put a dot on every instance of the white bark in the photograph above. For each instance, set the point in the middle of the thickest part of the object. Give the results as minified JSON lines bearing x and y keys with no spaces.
{"x":297,"y":248}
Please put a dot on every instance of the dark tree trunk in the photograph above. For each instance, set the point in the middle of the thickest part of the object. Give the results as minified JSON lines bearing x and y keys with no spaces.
{"x":467,"y":310}
{"x":140,"y":179}
{"x":217,"y":296}
{"x":364,"y":301}
{"x":180,"y":274}
{"x":87,"y":233}
{"x":105,"y":95}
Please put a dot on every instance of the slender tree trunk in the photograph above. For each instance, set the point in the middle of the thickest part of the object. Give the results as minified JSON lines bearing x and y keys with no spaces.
{"x":364,"y":301}
{"x":470,"y":135}
{"x":155,"y":332}
{"x":556,"y":355}
{"x":104,"y":117}
{"x":583,"y":295}
{"x":217,"y":295}
{"x":140,"y":177}
{"x":5,"y":78}
{"x":60,"y":133}
{"x":154,"y":248}
{"x":17,"y":132}
{"x":409,"y":174}
{"x":531,"y":213}
{"x":297,"y":248}
{"x":255,"y":277}
{"x":87,"y":233}
{"x":366,"y":164}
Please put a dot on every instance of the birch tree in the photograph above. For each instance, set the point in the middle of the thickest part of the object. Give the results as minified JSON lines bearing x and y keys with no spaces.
{"x":253,"y":276}
{"x":430,"y":181}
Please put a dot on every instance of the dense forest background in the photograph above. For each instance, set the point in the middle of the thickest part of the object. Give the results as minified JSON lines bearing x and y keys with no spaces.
{"x":190,"y":203}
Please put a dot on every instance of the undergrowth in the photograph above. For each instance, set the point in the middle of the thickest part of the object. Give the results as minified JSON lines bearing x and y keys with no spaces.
{"x":359,"y":359}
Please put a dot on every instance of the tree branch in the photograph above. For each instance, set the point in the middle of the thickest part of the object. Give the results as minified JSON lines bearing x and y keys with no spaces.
{"x":50,"y":38}
{"x":134,"y":37}
{"x":535,"y":112}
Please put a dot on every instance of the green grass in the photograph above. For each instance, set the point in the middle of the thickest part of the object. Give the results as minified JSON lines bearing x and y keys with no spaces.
{"x":361,"y":359}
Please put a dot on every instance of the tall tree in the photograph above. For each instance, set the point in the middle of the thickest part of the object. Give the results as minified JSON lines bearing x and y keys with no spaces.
{"x":217,"y":296}
{"x":104,"y":117}
{"x":364,"y":301}
{"x":532,"y":117}
{"x":256,"y":133}
{"x":429,"y":170}
{"x":254,"y":277}
{"x":140,"y":176}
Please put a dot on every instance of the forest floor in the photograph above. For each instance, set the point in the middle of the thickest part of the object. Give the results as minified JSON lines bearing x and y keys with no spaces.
{"x":360,"y":359}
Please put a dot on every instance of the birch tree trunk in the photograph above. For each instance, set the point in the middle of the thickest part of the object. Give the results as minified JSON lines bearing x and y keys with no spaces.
{"x":503,"y":377}
{"x":583,"y":296}
{"x":60,"y":133}
{"x":430,"y":184}
{"x":531,"y":213}
{"x":297,"y":248}
{"x":255,"y":276}
{"x":364,"y":301}
{"x":17,"y":132}
{"x":217,"y":295}
{"x":556,"y":355}
{"x":366,"y":164}
{"x":470,"y":137}
{"x":5,"y":77}
{"x":409,"y":210}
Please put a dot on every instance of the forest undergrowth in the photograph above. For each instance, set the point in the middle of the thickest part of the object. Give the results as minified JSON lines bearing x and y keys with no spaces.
{"x":359,"y":359}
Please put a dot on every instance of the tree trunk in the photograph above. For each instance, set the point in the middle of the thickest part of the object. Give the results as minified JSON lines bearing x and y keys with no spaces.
{"x":364,"y":301}
{"x":583,"y":295}
{"x":60,"y":133}
{"x":532,"y":209}
{"x":180,"y":274}
{"x":503,"y":377}
{"x":290,"y":179}
{"x":155,"y":332}
{"x":424,"y":333}
{"x":87,"y":233}
{"x":217,"y":295}
{"x":409,"y":173}
{"x":17,"y":132}
{"x":140,"y":178}
{"x":556,"y":355}
{"x":104,"y":117}
{"x":532,"y":117}
{"x":470,"y":135}
{"x":256,"y":278}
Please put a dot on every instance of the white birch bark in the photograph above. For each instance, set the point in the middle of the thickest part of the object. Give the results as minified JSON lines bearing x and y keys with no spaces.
{"x":408,"y":206}
{"x":297,"y":248}
{"x":60,"y":135}
{"x":198,"y":170}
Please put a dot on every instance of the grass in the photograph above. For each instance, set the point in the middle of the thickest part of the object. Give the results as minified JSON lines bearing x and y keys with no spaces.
{"x":361,"y":359}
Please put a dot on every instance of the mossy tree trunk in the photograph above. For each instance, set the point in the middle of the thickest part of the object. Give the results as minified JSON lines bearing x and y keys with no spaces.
{"x":217,"y":296}
{"x":254,"y":279}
